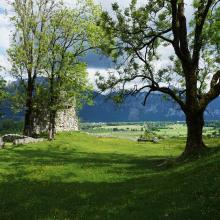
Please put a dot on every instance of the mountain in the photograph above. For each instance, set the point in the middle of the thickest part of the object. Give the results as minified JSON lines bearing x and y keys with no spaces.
{"x":157,"y":108}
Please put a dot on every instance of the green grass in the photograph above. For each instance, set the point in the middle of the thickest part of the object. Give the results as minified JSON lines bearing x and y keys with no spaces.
{"x":79,"y":176}
{"x":180,"y":130}
{"x":134,"y":131}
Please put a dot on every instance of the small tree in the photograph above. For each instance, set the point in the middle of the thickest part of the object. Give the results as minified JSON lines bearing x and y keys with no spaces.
{"x":71,"y":33}
{"x":138,"y":35}
{"x":3,"y":92}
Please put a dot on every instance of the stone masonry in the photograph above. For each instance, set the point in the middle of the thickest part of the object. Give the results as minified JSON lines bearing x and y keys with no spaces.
{"x":67,"y":120}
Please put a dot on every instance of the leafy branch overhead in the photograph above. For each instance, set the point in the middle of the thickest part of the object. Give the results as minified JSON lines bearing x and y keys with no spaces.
{"x":139,"y":35}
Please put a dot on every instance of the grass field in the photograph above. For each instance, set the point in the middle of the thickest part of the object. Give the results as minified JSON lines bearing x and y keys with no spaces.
{"x":79,"y":176}
{"x":132,"y":131}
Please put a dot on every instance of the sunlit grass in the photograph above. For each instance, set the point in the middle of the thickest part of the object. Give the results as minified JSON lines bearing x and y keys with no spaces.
{"x":134,"y":131}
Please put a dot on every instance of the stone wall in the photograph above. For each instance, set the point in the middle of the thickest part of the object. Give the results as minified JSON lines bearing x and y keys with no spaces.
{"x":1,"y":143}
{"x":67,"y":120}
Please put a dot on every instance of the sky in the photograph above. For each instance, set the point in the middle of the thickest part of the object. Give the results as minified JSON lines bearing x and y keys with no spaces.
{"x":95,"y":63}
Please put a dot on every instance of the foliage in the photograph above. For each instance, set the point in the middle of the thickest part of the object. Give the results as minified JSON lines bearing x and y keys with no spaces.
{"x":148,"y":135}
{"x":10,"y":126}
{"x":29,"y":38}
{"x":3,"y":93}
{"x":70,"y":36}
{"x":139,"y":37}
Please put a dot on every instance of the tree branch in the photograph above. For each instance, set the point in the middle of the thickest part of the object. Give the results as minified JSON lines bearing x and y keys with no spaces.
{"x":172,"y":94}
{"x":175,"y":28}
{"x":183,"y":31}
{"x":201,"y":15}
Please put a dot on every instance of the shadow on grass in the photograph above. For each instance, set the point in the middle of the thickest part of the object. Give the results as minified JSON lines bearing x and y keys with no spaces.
{"x":158,"y":197}
{"x":51,"y":156}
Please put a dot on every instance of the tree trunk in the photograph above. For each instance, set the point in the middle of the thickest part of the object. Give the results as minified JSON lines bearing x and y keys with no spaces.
{"x":53,"y":125}
{"x":50,"y":134}
{"x":195,"y":124}
{"x":52,"y":111}
{"x":28,"y":121}
{"x":52,"y":122}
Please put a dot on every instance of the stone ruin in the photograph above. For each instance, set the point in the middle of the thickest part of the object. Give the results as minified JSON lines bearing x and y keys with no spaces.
{"x":66,"y":120}
{"x":17,"y":139}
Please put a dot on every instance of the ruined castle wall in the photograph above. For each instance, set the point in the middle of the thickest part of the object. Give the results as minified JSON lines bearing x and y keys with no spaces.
{"x":67,"y":120}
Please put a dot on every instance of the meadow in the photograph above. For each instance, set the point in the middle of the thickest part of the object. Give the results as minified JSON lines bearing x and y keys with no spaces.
{"x":133,"y":130}
{"x":82,"y":176}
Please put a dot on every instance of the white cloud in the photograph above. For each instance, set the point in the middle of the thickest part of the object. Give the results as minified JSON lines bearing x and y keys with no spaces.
{"x":5,"y":4}
{"x":92,"y":72}
{"x":5,"y":66}
{"x":5,"y":26}
{"x":4,"y":38}
{"x":4,"y":61}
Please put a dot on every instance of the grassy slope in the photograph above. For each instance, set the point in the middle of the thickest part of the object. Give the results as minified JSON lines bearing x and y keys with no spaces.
{"x":83,"y":177}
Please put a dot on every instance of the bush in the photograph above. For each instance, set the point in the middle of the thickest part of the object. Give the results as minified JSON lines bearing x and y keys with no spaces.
{"x":147,"y":135}
{"x":10,"y":126}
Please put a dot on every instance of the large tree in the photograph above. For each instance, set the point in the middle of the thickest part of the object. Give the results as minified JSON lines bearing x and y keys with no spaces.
{"x":28,"y":48}
{"x":140,"y":38}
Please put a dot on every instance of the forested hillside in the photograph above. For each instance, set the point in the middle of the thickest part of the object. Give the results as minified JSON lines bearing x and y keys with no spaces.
{"x":157,"y":108}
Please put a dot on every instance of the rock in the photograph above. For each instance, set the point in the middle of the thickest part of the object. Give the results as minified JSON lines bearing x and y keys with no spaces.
{"x":2,"y":144}
{"x":27,"y":140}
{"x":155,"y":140}
{"x":18,"y":139}
{"x":12,"y":137}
